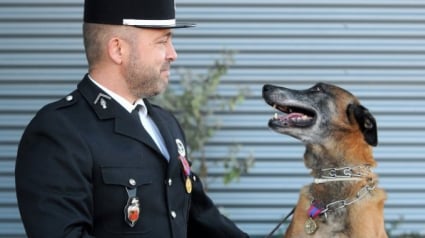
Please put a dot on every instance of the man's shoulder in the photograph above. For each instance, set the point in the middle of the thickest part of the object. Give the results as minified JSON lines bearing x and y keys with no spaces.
{"x":64,"y":102}
{"x":55,"y":110}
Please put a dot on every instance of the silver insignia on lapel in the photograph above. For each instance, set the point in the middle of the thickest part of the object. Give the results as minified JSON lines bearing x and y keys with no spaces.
{"x":103,"y":103}
{"x":101,"y":99}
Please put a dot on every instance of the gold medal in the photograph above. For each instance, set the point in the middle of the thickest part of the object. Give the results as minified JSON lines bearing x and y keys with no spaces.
{"x":310,"y":226}
{"x":188,"y":185}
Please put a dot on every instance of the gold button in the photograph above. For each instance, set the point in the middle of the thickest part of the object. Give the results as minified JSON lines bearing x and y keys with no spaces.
{"x":69,"y":98}
{"x":173,"y":214}
{"x":170,"y":182}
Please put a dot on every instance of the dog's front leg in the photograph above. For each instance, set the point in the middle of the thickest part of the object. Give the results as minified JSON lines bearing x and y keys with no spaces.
{"x":296,"y":228}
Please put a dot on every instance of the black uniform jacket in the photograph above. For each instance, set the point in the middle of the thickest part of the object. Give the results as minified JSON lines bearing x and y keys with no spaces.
{"x":81,"y":157}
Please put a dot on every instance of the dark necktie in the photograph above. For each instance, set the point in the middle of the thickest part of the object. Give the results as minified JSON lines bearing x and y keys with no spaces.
{"x":135,"y":113}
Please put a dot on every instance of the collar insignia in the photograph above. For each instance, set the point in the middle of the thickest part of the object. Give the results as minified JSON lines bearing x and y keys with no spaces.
{"x":101,"y":100}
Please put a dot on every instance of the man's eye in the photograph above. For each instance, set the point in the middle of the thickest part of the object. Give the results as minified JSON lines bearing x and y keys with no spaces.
{"x":163,"y":41}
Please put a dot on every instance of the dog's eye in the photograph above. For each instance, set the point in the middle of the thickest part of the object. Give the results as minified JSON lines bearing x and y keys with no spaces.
{"x":316,"y":89}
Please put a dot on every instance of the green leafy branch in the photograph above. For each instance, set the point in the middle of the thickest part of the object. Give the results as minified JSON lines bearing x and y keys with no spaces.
{"x":195,"y":102}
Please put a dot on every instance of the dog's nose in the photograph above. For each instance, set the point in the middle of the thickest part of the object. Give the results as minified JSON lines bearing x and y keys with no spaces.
{"x":267,"y":87}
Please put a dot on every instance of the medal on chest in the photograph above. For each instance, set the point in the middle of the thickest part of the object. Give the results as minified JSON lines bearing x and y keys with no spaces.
{"x":186,"y":167}
{"x":132,"y":208}
{"x":188,"y":185}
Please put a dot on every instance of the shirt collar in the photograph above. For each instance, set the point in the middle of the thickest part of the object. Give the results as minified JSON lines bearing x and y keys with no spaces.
{"x":122,"y":101}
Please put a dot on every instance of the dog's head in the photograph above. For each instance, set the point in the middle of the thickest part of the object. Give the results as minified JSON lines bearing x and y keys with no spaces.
{"x":321,"y":113}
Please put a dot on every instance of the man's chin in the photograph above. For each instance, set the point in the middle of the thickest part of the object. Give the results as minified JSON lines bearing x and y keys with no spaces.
{"x":159,"y":90}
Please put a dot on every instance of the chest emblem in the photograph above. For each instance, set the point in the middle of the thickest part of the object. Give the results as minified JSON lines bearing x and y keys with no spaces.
{"x":185,"y":165}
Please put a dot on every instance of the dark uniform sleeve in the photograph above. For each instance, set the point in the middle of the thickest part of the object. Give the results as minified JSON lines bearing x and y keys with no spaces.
{"x":206,"y":221}
{"x":52,"y":177}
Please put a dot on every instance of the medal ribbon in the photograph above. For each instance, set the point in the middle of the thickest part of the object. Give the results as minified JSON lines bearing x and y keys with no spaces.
{"x":314,"y":211}
{"x":186,"y":166}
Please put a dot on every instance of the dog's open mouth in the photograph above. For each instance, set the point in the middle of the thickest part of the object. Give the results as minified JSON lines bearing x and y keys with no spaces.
{"x":294,"y":116}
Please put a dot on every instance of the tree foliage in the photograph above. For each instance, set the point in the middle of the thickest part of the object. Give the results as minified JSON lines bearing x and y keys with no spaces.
{"x":195,"y":102}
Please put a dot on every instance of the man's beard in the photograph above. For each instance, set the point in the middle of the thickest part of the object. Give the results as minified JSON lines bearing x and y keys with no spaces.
{"x":144,"y":82}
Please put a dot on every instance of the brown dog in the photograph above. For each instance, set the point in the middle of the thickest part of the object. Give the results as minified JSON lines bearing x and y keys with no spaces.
{"x":343,"y":201}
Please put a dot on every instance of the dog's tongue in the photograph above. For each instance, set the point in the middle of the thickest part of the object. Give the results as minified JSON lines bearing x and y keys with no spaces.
{"x":295,"y":119}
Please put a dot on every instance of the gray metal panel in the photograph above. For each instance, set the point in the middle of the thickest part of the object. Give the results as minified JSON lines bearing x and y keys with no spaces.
{"x":374,"y":48}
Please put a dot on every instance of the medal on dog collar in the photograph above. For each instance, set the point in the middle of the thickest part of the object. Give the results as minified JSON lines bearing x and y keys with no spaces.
{"x":310,"y":226}
{"x":132,"y":208}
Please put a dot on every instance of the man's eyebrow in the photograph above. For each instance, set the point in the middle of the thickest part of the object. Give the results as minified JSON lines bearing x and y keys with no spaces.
{"x":165,"y":35}
{"x":168,"y":34}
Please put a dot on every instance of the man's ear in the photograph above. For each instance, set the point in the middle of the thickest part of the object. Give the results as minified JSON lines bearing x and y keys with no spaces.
{"x":366,"y":122}
{"x":115,"y":50}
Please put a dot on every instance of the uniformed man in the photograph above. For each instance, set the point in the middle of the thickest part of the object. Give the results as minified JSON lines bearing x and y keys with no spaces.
{"x":103,"y":161}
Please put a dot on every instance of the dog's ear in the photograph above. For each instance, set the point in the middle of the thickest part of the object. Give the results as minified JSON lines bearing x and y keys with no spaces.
{"x":366,"y":122}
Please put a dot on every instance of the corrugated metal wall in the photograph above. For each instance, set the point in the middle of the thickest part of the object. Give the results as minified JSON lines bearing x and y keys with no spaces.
{"x":374,"y":48}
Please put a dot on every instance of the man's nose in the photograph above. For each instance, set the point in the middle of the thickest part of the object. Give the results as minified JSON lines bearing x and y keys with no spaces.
{"x":171,"y":53}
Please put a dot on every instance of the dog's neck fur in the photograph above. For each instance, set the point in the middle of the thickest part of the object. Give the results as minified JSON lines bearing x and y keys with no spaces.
{"x":342,"y":152}
{"x":338,"y":190}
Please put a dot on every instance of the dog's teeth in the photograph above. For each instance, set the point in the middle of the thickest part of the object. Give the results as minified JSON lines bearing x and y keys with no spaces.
{"x":274,"y":106}
{"x":275,"y":116}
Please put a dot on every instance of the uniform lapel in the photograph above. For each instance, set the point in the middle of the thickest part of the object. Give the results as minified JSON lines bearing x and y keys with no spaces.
{"x":164,"y":127}
{"x":106,"y":109}
{"x":127,"y":125}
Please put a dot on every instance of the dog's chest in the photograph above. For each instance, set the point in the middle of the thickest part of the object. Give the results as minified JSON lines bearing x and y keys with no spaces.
{"x":334,"y":225}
